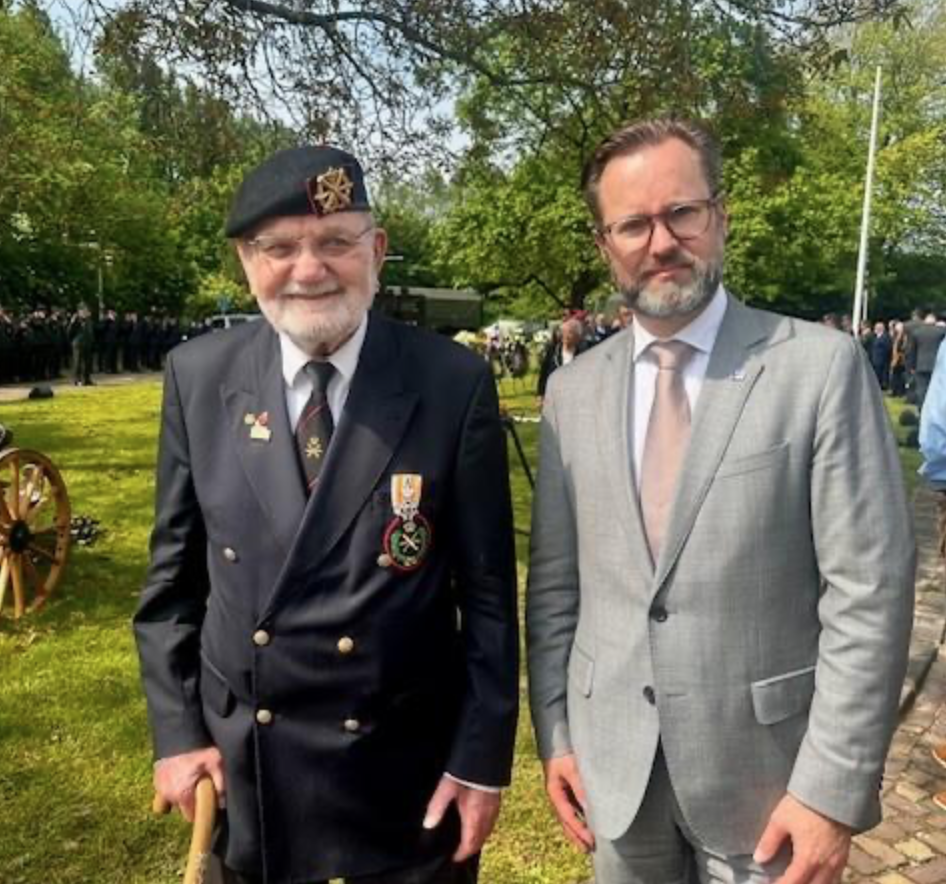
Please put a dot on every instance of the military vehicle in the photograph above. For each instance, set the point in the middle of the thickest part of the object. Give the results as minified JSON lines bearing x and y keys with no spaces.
{"x":442,"y":310}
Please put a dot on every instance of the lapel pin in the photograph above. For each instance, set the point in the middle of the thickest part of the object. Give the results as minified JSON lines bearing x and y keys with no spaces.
{"x":259,"y":429}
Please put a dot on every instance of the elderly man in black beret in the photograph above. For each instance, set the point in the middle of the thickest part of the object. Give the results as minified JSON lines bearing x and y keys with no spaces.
{"x":328,"y":624}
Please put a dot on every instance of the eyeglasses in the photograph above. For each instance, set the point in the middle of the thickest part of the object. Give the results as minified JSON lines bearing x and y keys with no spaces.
{"x":684,"y":220}
{"x":287,"y":249}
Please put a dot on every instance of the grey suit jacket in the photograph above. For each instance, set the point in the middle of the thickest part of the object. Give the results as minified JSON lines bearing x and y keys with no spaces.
{"x":766,"y":648}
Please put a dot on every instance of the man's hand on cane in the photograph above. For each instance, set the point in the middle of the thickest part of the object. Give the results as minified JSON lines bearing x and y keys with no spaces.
{"x":176,"y":778}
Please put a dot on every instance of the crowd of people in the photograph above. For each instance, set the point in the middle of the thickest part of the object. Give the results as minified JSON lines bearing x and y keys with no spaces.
{"x":901,"y":353}
{"x":47,"y":344}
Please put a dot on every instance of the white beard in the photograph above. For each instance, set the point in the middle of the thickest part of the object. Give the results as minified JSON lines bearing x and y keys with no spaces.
{"x":317,"y":331}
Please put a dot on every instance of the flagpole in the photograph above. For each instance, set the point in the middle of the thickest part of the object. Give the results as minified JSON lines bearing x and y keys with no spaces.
{"x":860,"y":300}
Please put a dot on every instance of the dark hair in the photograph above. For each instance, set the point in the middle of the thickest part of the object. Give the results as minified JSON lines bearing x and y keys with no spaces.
{"x":649,"y":133}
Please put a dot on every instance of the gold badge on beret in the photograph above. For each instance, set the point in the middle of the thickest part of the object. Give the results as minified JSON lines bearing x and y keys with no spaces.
{"x":408,"y":536}
{"x":331,"y":191}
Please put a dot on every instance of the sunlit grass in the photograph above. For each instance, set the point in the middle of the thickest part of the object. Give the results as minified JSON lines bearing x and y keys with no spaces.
{"x":75,"y":762}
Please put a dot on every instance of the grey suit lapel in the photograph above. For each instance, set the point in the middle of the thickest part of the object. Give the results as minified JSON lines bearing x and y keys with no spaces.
{"x":616,"y":445}
{"x":271,"y":466}
{"x":730,"y":376}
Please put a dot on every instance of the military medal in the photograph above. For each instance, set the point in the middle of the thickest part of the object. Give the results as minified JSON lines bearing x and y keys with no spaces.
{"x":259,"y":426}
{"x":408,"y":536}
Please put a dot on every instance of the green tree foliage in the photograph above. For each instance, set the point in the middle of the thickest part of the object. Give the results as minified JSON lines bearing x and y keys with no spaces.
{"x":796,"y":228}
{"x":795,"y":138}
{"x":143,"y":161}
{"x":522,"y":236}
{"x":123,"y":182}
{"x":521,"y":228}
{"x":386,"y":71}
{"x":218,"y":293}
{"x":198,"y":150}
{"x":407,"y":210}
{"x":76,"y":197}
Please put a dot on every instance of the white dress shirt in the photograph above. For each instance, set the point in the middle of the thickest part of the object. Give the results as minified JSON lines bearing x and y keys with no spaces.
{"x":701,"y":335}
{"x":299,"y":384}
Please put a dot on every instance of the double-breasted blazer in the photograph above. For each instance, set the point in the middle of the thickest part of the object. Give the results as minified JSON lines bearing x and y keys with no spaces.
{"x":337,"y":687}
{"x":765,"y":650}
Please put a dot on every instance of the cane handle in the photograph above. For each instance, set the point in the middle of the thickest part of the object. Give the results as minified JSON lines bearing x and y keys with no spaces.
{"x":205,"y":814}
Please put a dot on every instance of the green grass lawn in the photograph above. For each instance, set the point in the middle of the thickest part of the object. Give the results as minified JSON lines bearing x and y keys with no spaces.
{"x":910,"y":458}
{"x":75,"y":758}
{"x":75,"y":763}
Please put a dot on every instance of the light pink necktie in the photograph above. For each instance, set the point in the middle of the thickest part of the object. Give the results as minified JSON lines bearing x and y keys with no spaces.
{"x":668,"y":432}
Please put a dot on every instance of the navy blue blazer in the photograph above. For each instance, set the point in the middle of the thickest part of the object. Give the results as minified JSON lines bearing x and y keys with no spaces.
{"x":374,"y":680}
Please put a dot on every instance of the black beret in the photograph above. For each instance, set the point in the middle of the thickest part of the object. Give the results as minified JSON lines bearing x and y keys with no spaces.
{"x":298,"y":181}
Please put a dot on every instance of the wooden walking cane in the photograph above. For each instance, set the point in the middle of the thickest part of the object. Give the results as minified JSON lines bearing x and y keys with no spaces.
{"x":204,"y":815}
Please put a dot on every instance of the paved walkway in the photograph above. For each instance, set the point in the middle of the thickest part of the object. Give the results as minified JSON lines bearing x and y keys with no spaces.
{"x":909,"y":846}
{"x":13,"y":392}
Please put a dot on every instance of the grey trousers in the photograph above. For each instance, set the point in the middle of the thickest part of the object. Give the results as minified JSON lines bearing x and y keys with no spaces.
{"x":660,"y":848}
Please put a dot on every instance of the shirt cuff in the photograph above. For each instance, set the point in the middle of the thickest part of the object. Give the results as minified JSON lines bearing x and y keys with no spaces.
{"x":493,"y":790}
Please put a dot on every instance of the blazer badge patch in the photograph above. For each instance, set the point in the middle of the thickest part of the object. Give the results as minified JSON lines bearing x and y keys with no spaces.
{"x":408,"y":537}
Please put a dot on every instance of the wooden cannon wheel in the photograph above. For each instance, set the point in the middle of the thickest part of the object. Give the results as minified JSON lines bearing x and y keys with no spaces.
{"x":34,"y":528}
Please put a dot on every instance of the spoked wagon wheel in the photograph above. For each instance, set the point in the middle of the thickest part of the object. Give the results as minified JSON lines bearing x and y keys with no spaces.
{"x":34,"y":528}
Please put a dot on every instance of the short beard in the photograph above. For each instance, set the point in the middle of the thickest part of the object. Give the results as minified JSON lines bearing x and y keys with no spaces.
{"x":320,"y":335}
{"x":675,"y":300}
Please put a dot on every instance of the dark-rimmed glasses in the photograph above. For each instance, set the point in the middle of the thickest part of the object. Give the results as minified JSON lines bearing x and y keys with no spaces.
{"x":685,"y":221}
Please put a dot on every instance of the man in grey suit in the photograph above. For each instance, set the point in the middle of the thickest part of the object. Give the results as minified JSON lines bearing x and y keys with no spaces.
{"x":719,"y":605}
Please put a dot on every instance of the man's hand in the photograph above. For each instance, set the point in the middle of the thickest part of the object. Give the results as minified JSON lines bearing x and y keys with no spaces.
{"x":478,"y":812}
{"x":565,"y":791}
{"x":819,"y":845}
{"x":176,"y":777}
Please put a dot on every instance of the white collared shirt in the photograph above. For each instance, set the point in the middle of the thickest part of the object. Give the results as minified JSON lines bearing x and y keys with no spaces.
{"x":701,"y":335}
{"x":299,"y":384}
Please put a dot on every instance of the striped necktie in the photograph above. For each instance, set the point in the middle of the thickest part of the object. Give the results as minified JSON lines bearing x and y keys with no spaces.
{"x":315,"y":427}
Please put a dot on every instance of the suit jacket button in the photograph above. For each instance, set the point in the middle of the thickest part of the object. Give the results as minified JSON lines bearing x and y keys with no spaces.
{"x":264,"y":716}
{"x":649,"y":695}
{"x":659,"y":614}
{"x":229,"y":553}
{"x":352,"y":725}
{"x":261,"y":638}
{"x":346,"y":645}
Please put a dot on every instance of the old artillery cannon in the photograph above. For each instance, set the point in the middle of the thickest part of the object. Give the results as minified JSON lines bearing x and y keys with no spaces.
{"x":34,"y":526}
